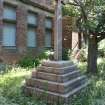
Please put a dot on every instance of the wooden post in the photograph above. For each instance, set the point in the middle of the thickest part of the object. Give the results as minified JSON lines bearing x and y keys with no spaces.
{"x":58,"y":31}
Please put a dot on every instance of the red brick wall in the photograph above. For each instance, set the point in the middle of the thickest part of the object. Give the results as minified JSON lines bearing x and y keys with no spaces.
{"x":67,"y":32}
{"x":21,"y":28}
{"x":40,"y":30}
{"x":13,"y":55}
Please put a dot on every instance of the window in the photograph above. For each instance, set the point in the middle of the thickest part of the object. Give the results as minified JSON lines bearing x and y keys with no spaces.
{"x":48,"y":32}
{"x":9,"y":13}
{"x":48,"y":23}
{"x":31,"y":38}
{"x":9,"y":30}
{"x":32,"y":19}
{"x":48,"y":38}
{"x":9,"y":35}
{"x":31,"y":33}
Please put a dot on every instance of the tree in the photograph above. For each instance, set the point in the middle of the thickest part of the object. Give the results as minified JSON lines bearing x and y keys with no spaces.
{"x":91,"y":21}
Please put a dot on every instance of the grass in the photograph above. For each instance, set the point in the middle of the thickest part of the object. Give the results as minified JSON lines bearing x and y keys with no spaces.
{"x":12,"y":81}
{"x":94,"y":94}
{"x":10,"y":88}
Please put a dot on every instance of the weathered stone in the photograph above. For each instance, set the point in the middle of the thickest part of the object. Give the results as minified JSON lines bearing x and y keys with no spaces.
{"x":56,"y":63}
{"x":55,"y":77}
{"x":56,"y":86}
{"x":52,"y":97}
{"x":53,"y":86}
{"x":60,"y":70}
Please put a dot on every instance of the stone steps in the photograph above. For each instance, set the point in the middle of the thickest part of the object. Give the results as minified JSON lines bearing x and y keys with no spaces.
{"x":55,"y":77}
{"x":55,"y":70}
{"x":57,"y":64}
{"x":55,"y":86}
{"x":57,"y":80}
{"x":52,"y":96}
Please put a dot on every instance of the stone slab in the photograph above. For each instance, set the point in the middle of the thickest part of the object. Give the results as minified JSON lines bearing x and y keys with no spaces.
{"x":57,"y":64}
{"x":55,"y":86}
{"x":57,"y":70}
{"x":54,"y":77}
{"x":53,"y":97}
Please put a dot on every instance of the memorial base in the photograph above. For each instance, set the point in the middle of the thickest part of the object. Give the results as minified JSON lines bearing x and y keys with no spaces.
{"x":55,"y":82}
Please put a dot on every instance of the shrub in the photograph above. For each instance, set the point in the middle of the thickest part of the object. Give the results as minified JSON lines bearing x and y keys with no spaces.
{"x":66,"y":54}
{"x":31,"y":61}
{"x":101,"y":52}
{"x":101,"y":49}
{"x":80,"y":55}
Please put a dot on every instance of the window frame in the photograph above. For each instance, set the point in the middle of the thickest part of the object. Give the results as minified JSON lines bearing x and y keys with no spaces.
{"x":12,"y":7}
{"x":32,"y":26}
{"x":48,"y":29}
{"x":35,"y":35}
{"x":36,"y":17}
{"x":10,"y":22}
{"x":50,"y":20}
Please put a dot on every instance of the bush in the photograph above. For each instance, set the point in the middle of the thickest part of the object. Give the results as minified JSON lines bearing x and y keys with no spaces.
{"x":31,"y":61}
{"x":101,"y":49}
{"x":66,"y":54}
{"x":101,"y":52}
{"x":80,"y":55}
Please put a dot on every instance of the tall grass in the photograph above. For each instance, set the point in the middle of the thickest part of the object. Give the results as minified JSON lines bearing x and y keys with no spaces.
{"x":94,"y":94}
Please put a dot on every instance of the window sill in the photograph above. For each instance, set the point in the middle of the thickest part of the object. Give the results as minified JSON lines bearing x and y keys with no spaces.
{"x":10,"y":47}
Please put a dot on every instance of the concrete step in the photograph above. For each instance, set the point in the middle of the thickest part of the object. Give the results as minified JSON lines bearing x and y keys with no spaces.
{"x":52,"y":96}
{"x":53,"y":70}
{"x":57,"y":64}
{"x":55,"y":86}
{"x":55,"y":77}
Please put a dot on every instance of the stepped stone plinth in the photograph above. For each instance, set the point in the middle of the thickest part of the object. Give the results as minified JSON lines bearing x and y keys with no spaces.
{"x":55,"y":81}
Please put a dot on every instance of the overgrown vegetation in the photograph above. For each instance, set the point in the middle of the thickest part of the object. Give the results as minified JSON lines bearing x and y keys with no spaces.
{"x":30,"y":61}
{"x":91,"y":23}
{"x":94,"y":94}
{"x":11,"y":92}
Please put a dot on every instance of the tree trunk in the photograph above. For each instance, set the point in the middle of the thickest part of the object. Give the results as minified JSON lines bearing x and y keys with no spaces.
{"x":92,"y":55}
{"x":79,"y":40}
{"x":85,"y":37}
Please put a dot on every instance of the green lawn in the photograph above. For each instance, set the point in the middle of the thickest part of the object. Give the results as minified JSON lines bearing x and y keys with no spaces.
{"x":11,"y":83}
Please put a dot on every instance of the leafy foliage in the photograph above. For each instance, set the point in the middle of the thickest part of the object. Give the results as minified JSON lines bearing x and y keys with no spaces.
{"x":11,"y":94}
{"x":31,"y":61}
{"x":69,"y":10}
{"x":66,"y":54}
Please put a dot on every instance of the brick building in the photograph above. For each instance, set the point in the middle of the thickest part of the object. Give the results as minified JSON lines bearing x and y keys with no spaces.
{"x":26,"y":26}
